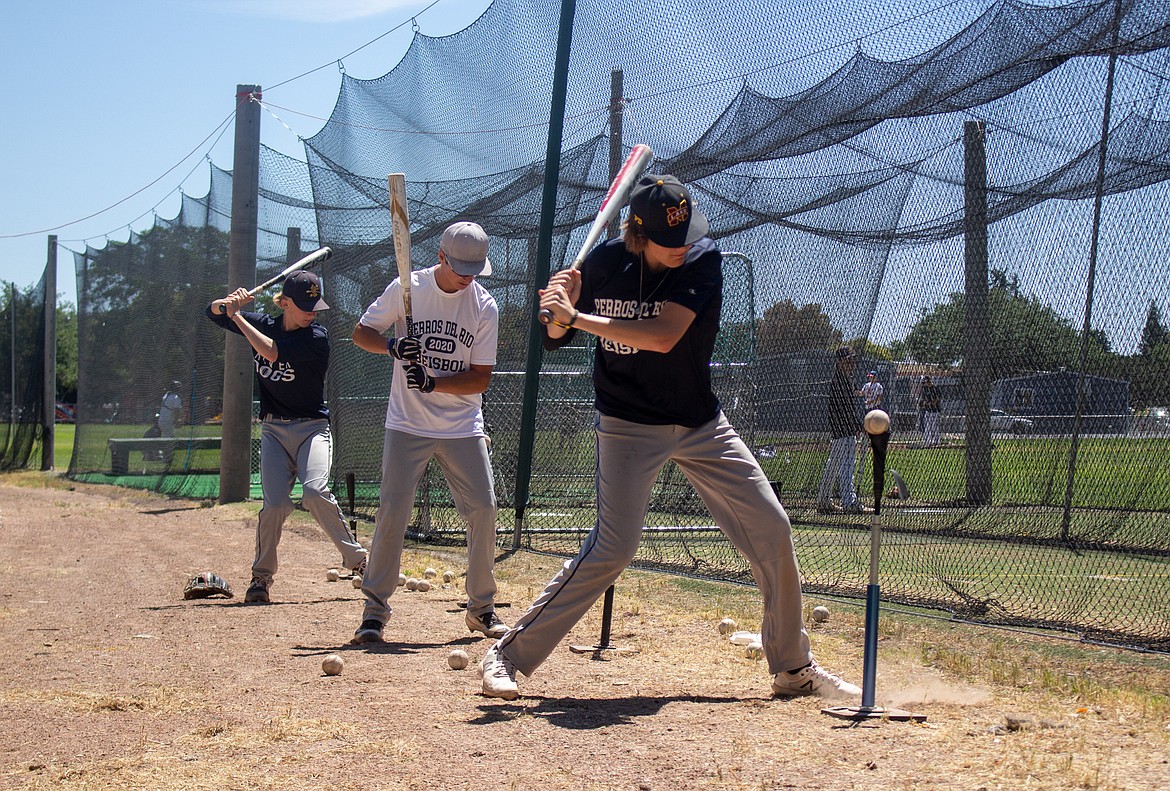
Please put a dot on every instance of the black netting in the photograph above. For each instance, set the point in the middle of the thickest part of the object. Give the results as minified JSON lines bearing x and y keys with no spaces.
{"x":22,"y":375}
{"x":840,"y":182}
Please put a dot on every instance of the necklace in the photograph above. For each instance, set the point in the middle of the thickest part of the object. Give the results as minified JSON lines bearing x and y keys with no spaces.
{"x":642,"y":301}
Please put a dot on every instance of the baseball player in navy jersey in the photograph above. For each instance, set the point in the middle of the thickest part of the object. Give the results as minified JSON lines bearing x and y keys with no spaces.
{"x":653,"y":299}
{"x":435,"y":411}
{"x":291,"y":355}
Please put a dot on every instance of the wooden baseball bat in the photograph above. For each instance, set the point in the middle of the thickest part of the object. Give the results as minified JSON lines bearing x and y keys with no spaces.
{"x":400,"y":228}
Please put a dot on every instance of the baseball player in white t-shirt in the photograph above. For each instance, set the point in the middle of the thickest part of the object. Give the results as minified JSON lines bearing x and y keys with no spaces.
{"x":435,"y":411}
{"x":871,"y":393}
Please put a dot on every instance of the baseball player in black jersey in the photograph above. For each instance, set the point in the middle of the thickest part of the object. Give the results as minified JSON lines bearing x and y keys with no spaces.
{"x":653,"y":299}
{"x":291,"y":355}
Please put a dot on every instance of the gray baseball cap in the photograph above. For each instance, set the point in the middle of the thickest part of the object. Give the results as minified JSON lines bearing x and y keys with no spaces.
{"x":465,"y":244}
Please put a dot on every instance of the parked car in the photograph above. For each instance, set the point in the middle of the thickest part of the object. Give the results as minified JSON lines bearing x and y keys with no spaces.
{"x":1003,"y":422}
{"x":1152,"y":420}
{"x":66,"y":413}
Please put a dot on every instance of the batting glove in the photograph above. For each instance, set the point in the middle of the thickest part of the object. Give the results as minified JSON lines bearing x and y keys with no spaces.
{"x":407,"y":349}
{"x":417,"y":378}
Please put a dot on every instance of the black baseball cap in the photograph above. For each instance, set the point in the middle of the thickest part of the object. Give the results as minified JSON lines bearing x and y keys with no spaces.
{"x":304,"y":289}
{"x":665,"y":211}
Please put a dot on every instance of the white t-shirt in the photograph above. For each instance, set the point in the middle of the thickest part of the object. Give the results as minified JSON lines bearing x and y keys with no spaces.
{"x":457,"y":331}
{"x":172,"y":404}
{"x":872,"y":393}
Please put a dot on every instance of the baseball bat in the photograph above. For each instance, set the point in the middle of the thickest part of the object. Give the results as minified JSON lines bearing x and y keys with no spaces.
{"x":312,"y":259}
{"x":638,"y":160}
{"x":400,"y":228}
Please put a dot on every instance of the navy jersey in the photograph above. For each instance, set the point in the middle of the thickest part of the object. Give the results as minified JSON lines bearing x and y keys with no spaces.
{"x":653,"y":388}
{"x":844,"y":412}
{"x":294,"y":385}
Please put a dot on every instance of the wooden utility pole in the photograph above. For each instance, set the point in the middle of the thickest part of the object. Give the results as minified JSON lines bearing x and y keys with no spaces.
{"x":235,"y":458}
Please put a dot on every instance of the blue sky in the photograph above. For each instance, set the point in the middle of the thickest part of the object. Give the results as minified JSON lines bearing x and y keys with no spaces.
{"x":109,"y":103}
{"x":103,"y":98}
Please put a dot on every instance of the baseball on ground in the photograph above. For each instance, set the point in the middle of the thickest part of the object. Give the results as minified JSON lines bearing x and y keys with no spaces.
{"x":448,"y":576}
{"x":820,"y":614}
{"x":458,"y":659}
{"x":332,"y":664}
{"x":411,"y":584}
{"x":430,"y":574}
{"x":332,"y":575}
{"x":726,"y":626}
{"x":424,"y":585}
{"x":356,"y":581}
{"x":876,"y":422}
{"x":401,"y":579}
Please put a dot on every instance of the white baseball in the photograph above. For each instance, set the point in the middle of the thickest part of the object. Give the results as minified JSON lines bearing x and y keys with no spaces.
{"x":430,"y":573}
{"x":726,"y":626}
{"x":332,"y":575}
{"x":458,"y":659}
{"x":411,"y":584}
{"x":448,"y":576}
{"x":754,"y":650}
{"x":332,"y":664}
{"x":424,"y":585}
{"x":876,"y":422}
{"x":401,"y":580}
{"x":356,"y":581}
{"x":820,"y":613}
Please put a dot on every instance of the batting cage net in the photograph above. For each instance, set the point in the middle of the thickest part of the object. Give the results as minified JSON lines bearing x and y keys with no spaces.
{"x":972,"y":193}
{"x":22,"y":374}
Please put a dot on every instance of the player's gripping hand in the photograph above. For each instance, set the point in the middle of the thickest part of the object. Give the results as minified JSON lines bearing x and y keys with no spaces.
{"x":417,"y":378}
{"x":407,"y":349}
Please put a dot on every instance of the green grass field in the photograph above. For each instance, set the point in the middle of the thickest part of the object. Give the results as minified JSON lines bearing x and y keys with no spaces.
{"x":63,"y":434}
{"x":1004,"y":563}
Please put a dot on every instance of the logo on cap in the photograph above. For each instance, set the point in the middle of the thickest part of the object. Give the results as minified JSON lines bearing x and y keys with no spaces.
{"x":663,"y":208}
{"x":677,"y":214}
{"x":304,"y":289}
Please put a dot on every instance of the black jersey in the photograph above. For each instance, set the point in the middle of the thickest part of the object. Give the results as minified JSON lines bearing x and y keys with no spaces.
{"x":294,"y":385}
{"x":844,"y":406}
{"x":653,"y":388}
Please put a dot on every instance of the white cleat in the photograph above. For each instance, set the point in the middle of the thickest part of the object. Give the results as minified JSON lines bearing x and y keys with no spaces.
{"x":499,"y":675}
{"x":813,"y":680}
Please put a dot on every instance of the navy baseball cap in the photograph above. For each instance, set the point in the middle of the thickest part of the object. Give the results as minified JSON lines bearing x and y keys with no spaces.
{"x":465,"y":245}
{"x":304,"y":289}
{"x":665,"y":211}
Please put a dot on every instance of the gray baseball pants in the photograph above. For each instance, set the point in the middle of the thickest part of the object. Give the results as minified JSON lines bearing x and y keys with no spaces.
{"x":468,"y":470}
{"x":291,"y":449}
{"x":840,"y":467}
{"x":736,"y":492}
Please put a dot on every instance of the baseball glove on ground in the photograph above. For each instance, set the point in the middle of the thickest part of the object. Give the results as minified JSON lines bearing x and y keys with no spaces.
{"x":205,"y":584}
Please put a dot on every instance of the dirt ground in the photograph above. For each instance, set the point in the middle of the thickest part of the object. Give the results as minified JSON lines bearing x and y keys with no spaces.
{"x":112,"y":680}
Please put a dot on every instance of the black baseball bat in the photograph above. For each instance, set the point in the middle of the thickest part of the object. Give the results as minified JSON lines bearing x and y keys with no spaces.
{"x":880,"y":444}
